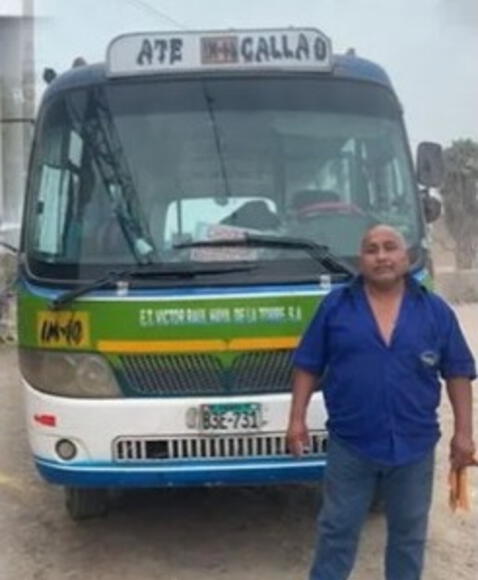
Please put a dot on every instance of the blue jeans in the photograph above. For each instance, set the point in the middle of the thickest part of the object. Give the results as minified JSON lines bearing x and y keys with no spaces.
{"x":350,"y":484}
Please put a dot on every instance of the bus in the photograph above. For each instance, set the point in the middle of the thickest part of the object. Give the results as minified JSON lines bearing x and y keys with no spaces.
{"x":189,"y":202}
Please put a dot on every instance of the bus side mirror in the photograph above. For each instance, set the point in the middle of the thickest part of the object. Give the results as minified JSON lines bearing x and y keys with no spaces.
{"x":431,"y":206}
{"x":430,"y":164}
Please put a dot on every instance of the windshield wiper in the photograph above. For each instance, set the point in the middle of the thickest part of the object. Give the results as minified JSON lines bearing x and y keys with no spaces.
{"x":116,"y":277}
{"x":217,"y":139}
{"x":319,"y":252}
{"x":103,"y":140}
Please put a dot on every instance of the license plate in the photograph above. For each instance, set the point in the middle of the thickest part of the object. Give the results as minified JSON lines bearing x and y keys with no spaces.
{"x":231,"y":417}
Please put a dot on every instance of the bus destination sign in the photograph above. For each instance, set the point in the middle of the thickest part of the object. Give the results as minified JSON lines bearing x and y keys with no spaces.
{"x":152,"y":53}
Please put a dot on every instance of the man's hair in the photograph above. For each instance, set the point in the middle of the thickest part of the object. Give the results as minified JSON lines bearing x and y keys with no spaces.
{"x":391,"y":229}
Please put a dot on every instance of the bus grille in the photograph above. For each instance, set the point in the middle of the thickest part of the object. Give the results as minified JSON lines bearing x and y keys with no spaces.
{"x":201,"y":374}
{"x":128,"y":449}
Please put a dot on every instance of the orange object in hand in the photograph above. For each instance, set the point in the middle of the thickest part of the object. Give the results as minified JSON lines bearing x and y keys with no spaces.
{"x":459,"y":497}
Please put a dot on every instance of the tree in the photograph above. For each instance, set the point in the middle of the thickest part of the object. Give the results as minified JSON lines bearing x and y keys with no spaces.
{"x":460,"y":199}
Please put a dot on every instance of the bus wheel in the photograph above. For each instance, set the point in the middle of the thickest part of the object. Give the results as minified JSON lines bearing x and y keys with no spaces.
{"x":83,"y":503}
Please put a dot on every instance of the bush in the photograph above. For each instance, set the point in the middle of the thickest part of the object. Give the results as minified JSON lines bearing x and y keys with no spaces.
{"x":460,"y":200}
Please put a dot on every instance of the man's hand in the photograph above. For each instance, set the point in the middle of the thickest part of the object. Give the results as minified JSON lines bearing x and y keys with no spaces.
{"x":462,"y":451}
{"x":297,"y":432}
{"x":297,"y":437}
{"x":462,"y":447}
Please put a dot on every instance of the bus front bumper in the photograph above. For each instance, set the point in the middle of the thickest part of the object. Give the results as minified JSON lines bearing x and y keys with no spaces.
{"x":182,"y":474}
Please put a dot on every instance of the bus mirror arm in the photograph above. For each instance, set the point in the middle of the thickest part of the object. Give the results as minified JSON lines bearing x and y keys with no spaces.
{"x":9,"y":247}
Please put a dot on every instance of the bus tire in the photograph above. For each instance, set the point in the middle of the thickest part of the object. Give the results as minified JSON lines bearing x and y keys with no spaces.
{"x":84,"y":503}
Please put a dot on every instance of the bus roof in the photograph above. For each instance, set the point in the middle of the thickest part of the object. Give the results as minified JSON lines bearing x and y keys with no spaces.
{"x":346,"y":66}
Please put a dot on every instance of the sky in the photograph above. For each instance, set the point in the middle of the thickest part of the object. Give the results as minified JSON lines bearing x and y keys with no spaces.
{"x":428,"y":47}
{"x":11,"y":7}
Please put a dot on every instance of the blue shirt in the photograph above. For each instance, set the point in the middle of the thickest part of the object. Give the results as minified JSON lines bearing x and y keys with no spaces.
{"x":381,"y":399}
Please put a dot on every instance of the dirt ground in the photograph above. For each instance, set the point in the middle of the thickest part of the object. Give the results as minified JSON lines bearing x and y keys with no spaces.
{"x":215,"y":534}
{"x":452,"y":550}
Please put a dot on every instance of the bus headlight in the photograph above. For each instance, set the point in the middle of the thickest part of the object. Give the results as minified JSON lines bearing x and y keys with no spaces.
{"x":68,"y":374}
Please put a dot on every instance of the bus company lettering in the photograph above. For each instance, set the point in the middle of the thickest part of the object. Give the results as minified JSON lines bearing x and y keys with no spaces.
{"x":149,"y":317}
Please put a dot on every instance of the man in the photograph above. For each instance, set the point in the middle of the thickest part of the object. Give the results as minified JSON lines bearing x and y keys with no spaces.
{"x":378,"y":347}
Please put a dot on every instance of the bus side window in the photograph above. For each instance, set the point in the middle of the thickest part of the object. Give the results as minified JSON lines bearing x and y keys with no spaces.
{"x":58,"y":201}
{"x":50,"y":210}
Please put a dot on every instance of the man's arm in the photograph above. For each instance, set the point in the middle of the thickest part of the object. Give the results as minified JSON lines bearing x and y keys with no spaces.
{"x":303,"y":386}
{"x":462,"y":447}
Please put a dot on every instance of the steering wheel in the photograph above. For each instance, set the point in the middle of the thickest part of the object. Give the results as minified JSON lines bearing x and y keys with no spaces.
{"x":341,"y":207}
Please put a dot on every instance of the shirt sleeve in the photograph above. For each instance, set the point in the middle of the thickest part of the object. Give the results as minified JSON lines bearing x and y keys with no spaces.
{"x":456,"y":358}
{"x":312,"y":354}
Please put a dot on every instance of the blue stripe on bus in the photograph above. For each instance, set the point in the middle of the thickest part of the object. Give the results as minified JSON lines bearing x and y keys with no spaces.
{"x":180,"y":473}
{"x":51,"y":293}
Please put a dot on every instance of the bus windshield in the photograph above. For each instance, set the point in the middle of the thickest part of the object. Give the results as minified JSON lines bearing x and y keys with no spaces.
{"x":125,"y":172}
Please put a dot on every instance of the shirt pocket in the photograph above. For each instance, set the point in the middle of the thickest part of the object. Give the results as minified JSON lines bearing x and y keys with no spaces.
{"x":421,"y":352}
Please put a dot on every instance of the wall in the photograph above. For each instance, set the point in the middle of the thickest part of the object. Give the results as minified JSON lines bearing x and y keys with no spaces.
{"x":16,"y":114}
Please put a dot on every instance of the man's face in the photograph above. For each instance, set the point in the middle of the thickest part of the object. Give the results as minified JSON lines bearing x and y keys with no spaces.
{"x":383,"y":257}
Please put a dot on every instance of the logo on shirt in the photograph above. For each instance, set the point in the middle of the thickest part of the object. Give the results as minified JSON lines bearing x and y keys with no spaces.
{"x":429,"y":358}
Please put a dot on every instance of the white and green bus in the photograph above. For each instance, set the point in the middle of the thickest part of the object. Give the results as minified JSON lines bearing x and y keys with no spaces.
{"x":188,"y":204}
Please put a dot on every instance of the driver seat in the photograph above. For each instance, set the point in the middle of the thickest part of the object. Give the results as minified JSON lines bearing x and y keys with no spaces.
{"x":306,"y":201}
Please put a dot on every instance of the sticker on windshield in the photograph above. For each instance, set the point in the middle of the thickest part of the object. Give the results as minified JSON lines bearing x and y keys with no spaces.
{"x":209,"y":232}
{"x":65,"y":329}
